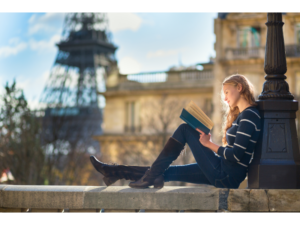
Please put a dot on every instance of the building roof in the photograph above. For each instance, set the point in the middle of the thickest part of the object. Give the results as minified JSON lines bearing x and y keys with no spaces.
{"x":223,"y":15}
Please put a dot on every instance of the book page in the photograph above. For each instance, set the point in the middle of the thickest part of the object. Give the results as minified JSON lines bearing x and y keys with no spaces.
{"x":200,"y":112}
{"x":194,"y":110}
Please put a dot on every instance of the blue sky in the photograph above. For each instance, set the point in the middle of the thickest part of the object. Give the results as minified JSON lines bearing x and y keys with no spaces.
{"x":146,"y":42}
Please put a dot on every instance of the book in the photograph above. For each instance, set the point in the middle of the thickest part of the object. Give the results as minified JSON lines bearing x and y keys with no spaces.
{"x":196,"y":118}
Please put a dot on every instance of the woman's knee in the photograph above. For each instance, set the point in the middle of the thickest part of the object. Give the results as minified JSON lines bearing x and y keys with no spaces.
{"x":183,"y":126}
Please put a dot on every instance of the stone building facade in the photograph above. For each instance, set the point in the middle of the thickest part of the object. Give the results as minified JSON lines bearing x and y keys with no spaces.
{"x":142,"y":110}
{"x":240,"y":48}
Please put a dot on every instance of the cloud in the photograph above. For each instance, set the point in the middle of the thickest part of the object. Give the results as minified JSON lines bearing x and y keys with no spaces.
{"x":14,"y":47}
{"x":129,"y":65}
{"x":124,"y":21}
{"x":52,"y":22}
{"x":164,"y":53}
{"x":49,"y":22}
{"x":44,"y":44}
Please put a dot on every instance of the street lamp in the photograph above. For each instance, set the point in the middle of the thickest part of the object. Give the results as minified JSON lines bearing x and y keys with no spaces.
{"x":276,"y":162}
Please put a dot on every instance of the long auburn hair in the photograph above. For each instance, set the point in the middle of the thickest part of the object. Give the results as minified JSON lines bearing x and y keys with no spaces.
{"x":232,"y":113}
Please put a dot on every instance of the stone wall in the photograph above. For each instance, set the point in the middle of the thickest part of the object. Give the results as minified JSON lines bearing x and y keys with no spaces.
{"x":23,"y":198}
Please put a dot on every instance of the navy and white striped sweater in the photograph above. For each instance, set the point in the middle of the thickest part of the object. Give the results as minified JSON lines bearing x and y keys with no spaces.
{"x":242,"y":137}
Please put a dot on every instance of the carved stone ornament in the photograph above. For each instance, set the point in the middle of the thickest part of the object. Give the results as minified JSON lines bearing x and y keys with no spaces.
{"x":275,"y":86}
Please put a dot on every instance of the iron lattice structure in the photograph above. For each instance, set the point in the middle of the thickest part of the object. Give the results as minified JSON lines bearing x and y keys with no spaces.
{"x":86,"y":55}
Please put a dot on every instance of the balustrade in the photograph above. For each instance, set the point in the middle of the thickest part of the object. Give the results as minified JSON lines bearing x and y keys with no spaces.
{"x":292,"y":50}
{"x":170,"y":79}
{"x":244,"y":53}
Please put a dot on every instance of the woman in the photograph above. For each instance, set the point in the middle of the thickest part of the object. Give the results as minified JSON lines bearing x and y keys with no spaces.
{"x":222,"y":167}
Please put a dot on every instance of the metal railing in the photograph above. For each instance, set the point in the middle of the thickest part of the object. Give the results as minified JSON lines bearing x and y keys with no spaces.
{"x":244,"y":53}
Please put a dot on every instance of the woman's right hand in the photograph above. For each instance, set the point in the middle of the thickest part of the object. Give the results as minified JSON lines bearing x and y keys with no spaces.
{"x":204,"y":138}
{"x":209,"y":144}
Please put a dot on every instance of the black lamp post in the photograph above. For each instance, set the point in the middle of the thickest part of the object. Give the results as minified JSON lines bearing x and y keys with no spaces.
{"x":276,"y":162}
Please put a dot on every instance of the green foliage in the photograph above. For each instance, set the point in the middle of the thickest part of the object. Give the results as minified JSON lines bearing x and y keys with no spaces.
{"x":31,"y":160}
{"x":20,"y":148}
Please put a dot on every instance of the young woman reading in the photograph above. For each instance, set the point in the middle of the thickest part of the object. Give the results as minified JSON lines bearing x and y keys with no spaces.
{"x":221,"y":166}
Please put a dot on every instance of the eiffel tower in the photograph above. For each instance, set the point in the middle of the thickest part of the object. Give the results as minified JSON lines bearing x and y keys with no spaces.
{"x":85,"y":58}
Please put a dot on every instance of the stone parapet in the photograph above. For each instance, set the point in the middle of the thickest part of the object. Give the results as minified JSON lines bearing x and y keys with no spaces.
{"x":27,"y":198}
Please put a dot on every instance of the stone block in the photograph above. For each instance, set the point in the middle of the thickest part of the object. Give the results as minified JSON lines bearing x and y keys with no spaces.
{"x":284,"y":200}
{"x":1,"y":194}
{"x":238,"y":200}
{"x":258,"y":200}
{"x":167,"y":198}
{"x":120,"y":211}
{"x":84,"y":211}
{"x":46,"y":211}
{"x":10,"y":210}
{"x":199,"y":211}
{"x":49,"y":197}
{"x":161,"y":211}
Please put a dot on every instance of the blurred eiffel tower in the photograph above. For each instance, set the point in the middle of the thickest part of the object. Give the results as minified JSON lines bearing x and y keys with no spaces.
{"x":84,"y":60}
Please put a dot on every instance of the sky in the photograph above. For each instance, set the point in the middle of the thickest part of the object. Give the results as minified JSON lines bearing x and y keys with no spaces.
{"x":146,"y":42}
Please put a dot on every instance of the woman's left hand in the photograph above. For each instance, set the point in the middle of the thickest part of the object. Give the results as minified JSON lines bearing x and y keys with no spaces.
{"x":204,"y":138}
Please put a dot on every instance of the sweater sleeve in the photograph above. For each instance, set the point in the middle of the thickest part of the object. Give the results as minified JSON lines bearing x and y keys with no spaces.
{"x":248,"y":124}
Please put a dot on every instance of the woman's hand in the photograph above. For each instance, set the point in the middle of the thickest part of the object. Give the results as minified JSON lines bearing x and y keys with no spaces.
{"x":204,"y":138}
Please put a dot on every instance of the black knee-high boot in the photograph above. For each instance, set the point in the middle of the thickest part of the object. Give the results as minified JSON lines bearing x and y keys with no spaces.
{"x":170,"y":152}
{"x":112,"y":173}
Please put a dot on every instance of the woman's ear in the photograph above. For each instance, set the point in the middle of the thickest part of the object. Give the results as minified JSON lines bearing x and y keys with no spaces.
{"x":240,"y":87}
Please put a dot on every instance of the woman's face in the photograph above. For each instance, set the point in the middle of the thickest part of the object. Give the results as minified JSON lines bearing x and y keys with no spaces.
{"x":232,"y":94}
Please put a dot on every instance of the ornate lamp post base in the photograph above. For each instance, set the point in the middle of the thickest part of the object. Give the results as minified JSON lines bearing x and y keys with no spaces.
{"x":276,"y":163}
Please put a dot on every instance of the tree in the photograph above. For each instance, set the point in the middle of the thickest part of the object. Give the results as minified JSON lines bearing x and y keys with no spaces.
{"x":37,"y":155}
{"x":20,"y":148}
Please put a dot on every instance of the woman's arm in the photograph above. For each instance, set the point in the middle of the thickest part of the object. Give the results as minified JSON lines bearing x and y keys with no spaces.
{"x":248,"y":124}
{"x":205,"y":141}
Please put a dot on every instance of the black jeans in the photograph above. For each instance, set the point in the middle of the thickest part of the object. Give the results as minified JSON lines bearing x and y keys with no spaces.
{"x":208,"y":169}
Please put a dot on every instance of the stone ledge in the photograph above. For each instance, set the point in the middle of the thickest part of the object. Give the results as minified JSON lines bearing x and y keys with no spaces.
{"x":167,"y":198}
{"x":1,"y":194}
{"x":187,"y":198}
{"x":264,"y":200}
{"x":113,"y":197}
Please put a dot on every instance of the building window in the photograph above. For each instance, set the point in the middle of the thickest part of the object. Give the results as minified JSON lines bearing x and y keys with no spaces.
{"x":297,"y":33}
{"x":248,"y":37}
{"x":132,"y":123}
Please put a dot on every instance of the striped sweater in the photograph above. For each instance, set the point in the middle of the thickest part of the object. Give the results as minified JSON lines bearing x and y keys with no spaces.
{"x":242,"y":137}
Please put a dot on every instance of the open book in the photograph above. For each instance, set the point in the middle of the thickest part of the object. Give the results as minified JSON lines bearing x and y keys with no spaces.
{"x":196,"y":118}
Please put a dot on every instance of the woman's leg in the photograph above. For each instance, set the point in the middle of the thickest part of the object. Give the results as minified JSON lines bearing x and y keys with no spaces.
{"x":208,"y":162}
{"x":186,"y":173}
